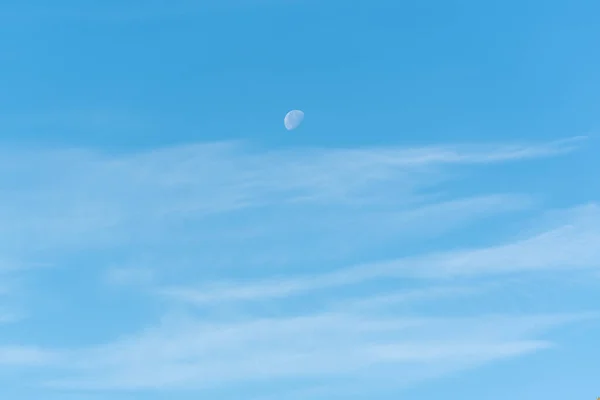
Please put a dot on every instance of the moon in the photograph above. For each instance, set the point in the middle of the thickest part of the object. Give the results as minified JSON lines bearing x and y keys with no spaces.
{"x":293,"y":119}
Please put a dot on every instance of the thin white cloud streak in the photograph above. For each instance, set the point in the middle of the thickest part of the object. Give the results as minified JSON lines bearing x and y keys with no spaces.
{"x":300,"y":237}
{"x":575,"y":245}
{"x":24,"y":356}
{"x":380,"y":302}
{"x":382,"y":381}
{"x":196,"y":355}
{"x":89,"y":199}
{"x":78,"y":199}
{"x":190,"y":375}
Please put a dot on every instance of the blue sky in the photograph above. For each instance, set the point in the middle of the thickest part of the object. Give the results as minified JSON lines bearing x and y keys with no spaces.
{"x":431,"y":230}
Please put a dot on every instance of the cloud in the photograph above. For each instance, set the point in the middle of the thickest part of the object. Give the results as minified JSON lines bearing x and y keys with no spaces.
{"x":379,"y":302}
{"x":179,"y":223}
{"x":23,"y":356}
{"x":574,"y":245}
{"x":81,"y":199}
{"x":190,"y":353}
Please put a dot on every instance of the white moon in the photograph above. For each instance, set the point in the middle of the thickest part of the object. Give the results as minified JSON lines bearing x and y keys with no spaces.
{"x":293,"y":119}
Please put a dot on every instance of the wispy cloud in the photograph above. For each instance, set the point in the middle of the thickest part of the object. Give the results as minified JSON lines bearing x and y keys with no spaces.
{"x":192,"y":354}
{"x":178,"y":223}
{"x":574,"y":245}
{"x":22,"y":356}
{"x":76,"y":198}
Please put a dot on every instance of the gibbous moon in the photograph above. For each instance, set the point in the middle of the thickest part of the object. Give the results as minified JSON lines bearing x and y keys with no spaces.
{"x":293,"y":119}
